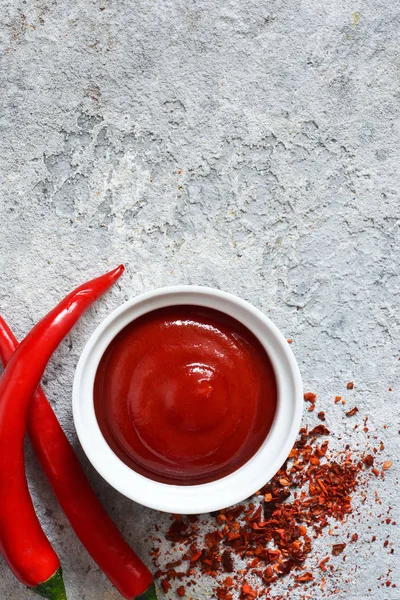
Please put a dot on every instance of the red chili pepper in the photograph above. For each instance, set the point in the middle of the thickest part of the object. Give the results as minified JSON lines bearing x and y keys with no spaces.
{"x":22,"y":540}
{"x":88,"y":518}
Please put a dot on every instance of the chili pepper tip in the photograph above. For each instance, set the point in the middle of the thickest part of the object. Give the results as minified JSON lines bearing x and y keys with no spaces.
{"x":117,"y":272}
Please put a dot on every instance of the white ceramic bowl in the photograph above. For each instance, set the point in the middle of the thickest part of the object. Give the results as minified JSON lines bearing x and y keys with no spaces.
{"x":237,"y":486}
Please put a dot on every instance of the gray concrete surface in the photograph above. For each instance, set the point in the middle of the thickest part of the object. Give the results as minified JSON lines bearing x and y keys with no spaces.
{"x":251,"y":146}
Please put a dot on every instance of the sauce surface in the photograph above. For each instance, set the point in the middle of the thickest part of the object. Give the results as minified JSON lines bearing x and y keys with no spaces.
{"x":185,"y":395}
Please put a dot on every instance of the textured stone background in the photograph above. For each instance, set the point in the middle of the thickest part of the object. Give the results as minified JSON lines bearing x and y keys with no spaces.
{"x":251,"y":146}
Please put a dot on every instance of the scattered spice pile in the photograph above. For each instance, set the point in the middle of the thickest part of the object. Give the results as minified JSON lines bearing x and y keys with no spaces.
{"x":252,"y":546}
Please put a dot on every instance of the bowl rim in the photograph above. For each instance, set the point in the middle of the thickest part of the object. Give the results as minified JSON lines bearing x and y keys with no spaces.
{"x":218,"y":494}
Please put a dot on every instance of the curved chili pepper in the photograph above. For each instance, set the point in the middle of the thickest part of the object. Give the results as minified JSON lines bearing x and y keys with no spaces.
{"x":87,"y":516}
{"x":22,"y":540}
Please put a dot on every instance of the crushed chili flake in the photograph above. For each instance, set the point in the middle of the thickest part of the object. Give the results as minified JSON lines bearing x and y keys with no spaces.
{"x":338,"y":549}
{"x":368,"y":460}
{"x":337,"y":399}
{"x":165,"y":584}
{"x":306,"y":577}
{"x":223,"y":594}
{"x":247,"y":592}
{"x":172,"y":565}
{"x":227,"y":562}
{"x":322,"y":564}
{"x":350,"y":385}
{"x":271,"y":535}
{"x":284,"y":482}
{"x":310,"y":397}
{"x":352,"y":412}
{"x":319,"y":430}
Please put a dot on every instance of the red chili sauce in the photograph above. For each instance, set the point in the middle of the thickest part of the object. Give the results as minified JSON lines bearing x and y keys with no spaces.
{"x":185,"y":395}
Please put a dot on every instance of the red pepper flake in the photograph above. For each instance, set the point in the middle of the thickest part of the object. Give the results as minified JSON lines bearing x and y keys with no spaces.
{"x":290,"y":341}
{"x":284,"y":482}
{"x":172,"y":565}
{"x":227,"y":562}
{"x":337,"y":399}
{"x":223,"y":594}
{"x":354,"y":538}
{"x":303,"y":578}
{"x":310,"y":397}
{"x":165,"y":584}
{"x":368,"y":460}
{"x":248,"y":593}
{"x":319,"y":430}
{"x":350,"y":385}
{"x":386,"y":465}
{"x":321,"y":415}
{"x":322,"y":564}
{"x":352,"y":412}
{"x":177,"y":531}
{"x":195,"y":557}
{"x":338,"y":549}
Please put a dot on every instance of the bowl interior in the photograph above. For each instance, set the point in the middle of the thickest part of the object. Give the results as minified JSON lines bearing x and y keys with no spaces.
{"x":237,"y":486}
